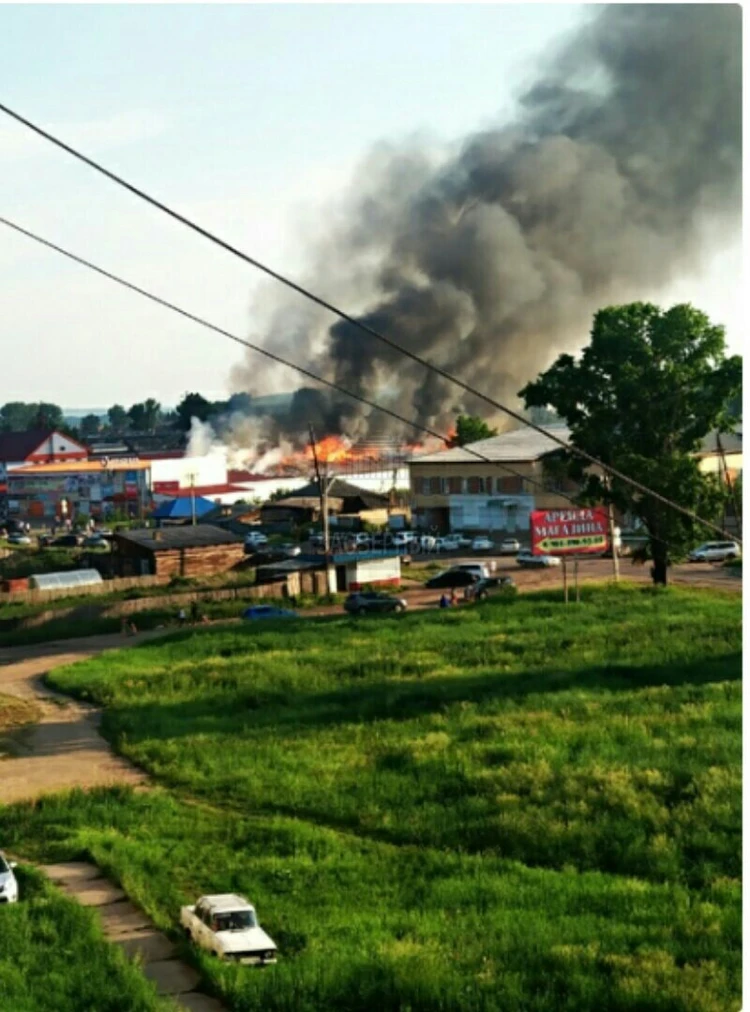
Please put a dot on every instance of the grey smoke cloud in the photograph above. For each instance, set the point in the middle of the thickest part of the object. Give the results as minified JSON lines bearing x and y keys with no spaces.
{"x":491,"y":260}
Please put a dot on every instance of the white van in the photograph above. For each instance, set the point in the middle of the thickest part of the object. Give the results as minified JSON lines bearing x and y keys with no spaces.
{"x":715,"y":551}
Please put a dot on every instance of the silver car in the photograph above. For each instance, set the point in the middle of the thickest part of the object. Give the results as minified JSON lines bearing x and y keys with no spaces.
{"x":715,"y":551}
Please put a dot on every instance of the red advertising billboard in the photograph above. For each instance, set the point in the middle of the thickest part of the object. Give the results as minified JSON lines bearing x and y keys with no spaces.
{"x":570,"y":532}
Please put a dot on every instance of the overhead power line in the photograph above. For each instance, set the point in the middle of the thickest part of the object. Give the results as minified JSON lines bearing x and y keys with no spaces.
{"x":306,"y":293}
{"x":417,"y":426}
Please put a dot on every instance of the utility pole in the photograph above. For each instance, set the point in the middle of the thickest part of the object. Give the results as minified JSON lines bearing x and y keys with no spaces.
{"x":323,"y":487}
{"x":612,"y":538}
{"x":732,"y":489}
{"x":192,"y":496}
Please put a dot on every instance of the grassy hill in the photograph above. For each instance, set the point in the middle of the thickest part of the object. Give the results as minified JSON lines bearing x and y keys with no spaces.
{"x":520,"y":806}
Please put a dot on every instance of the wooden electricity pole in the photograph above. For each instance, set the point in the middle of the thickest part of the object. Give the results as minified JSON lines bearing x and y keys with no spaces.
{"x":323,"y":483}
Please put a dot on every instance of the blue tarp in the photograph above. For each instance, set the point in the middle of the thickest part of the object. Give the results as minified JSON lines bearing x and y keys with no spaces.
{"x":182,"y":509}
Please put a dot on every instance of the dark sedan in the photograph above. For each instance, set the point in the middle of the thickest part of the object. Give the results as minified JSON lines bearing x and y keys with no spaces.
{"x":371,"y":601}
{"x":451,"y":578}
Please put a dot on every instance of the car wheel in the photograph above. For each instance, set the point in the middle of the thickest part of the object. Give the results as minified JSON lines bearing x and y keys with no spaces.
{"x":482,"y":596}
{"x":398,"y":608}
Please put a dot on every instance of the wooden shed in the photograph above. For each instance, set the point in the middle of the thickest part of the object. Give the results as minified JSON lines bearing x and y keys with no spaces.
{"x":200,"y":550}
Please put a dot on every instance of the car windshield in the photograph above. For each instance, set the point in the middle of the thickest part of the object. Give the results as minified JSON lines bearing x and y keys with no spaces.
{"x":236,"y":920}
{"x":3,"y":865}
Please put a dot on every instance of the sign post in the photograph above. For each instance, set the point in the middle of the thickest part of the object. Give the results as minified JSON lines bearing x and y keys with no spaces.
{"x":573,"y":532}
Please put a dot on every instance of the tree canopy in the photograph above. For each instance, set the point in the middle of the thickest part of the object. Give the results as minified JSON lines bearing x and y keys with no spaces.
{"x":470,"y":428}
{"x":648,"y":388}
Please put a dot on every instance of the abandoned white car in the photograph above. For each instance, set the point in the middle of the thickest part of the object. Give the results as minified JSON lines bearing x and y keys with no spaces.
{"x":227,"y":926}
{"x":8,"y":883}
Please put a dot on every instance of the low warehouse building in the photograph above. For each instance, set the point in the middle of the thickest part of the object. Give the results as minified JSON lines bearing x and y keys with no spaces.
{"x":192,"y":551}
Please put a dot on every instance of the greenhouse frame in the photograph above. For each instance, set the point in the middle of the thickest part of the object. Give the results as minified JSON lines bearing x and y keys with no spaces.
{"x":71,"y":580}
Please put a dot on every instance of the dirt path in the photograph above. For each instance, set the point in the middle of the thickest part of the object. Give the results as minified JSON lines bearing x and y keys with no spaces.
{"x":65,"y":748}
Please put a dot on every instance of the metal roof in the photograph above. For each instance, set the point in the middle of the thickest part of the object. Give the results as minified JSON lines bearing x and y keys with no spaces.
{"x":165,"y":539}
{"x":182,"y":508}
{"x":16,"y":446}
{"x":516,"y":445}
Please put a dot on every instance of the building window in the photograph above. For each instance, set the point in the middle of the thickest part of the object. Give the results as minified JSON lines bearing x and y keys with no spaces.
{"x":455,"y":486}
{"x":434,"y":486}
{"x":474,"y":486}
{"x":510,"y":484}
{"x":488,"y":486}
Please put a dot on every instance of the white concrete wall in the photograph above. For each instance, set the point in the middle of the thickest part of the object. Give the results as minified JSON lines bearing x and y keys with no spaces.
{"x":208,"y":470}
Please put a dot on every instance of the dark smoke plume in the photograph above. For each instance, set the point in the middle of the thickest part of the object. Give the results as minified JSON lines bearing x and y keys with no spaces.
{"x":493,"y":261}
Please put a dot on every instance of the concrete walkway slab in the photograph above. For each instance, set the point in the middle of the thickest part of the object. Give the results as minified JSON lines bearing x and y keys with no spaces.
{"x":95,"y":892}
{"x":196,"y":1001}
{"x":123,"y":919}
{"x":71,"y":871}
{"x":171,"y":976}
{"x":146,"y":946}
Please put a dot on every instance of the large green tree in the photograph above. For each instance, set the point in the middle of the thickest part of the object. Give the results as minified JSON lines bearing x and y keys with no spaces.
{"x":90,"y":425}
{"x":118,"y":418}
{"x":193,"y":406}
{"x":18,"y":416}
{"x":641,"y":397}
{"x":144,"y":417}
{"x":470,"y":429}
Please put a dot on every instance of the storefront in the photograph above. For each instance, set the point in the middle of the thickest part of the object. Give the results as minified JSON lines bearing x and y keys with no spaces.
{"x":49,"y":492}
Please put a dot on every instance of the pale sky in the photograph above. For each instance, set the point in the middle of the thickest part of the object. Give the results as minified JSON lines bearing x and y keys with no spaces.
{"x":248,"y":118}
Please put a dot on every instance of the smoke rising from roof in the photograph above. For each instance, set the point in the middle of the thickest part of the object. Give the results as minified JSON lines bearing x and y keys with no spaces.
{"x":491,"y":260}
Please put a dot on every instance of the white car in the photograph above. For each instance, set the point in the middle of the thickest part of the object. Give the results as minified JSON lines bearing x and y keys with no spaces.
{"x":527,"y":559}
{"x":509,"y":546}
{"x":715,"y":551}
{"x":454,"y":542}
{"x":255,"y":539}
{"x":479,"y":569}
{"x":19,"y":539}
{"x":482,"y":545}
{"x":427,"y":543}
{"x":403,"y":538}
{"x":227,"y":926}
{"x":8,"y":883}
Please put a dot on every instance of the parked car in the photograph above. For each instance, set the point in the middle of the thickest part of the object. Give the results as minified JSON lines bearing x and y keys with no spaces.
{"x":67,"y":541}
{"x":403,"y":539}
{"x":451,"y":578}
{"x":95,"y":541}
{"x":19,"y":539}
{"x":362,"y":540}
{"x":509,"y":546}
{"x":227,"y":926}
{"x":459,"y":540}
{"x":427,"y":542}
{"x":258,"y":611}
{"x":480,"y":569}
{"x":8,"y":883}
{"x":481,"y":589}
{"x":290,"y":550}
{"x":317,"y":540}
{"x":714,"y":551}
{"x":256,"y":539}
{"x":482,"y":545}
{"x":528,"y":560}
{"x":372,"y":601}
{"x":445,"y":544}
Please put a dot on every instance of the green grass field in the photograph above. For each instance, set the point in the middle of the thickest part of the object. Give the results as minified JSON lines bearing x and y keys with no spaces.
{"x":520,"y":806}
{"x":53,"y":957}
